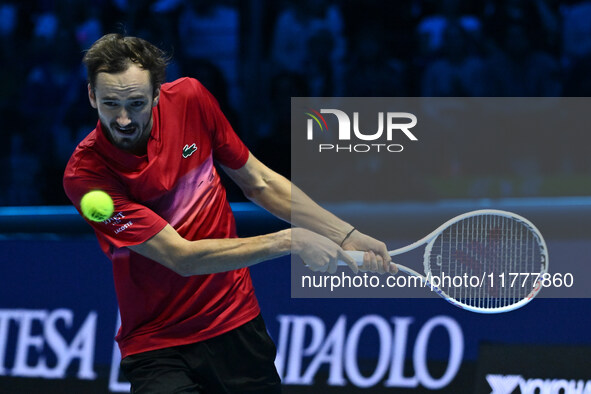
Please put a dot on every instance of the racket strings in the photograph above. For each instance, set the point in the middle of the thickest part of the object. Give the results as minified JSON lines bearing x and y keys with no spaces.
{"x":486,"y":261}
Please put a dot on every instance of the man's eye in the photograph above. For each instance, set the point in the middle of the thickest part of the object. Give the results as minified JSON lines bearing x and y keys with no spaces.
{"x":109,"y":104}
{"x":137,"y":104}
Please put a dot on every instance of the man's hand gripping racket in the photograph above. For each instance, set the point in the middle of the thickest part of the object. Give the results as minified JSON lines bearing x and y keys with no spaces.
{"x":499,"y":257}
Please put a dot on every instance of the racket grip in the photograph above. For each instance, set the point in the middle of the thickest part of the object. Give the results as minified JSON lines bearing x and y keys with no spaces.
{"x":357,"y":256}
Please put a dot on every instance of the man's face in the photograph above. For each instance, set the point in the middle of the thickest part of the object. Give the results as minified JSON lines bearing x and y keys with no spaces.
{"x":124,"y":103}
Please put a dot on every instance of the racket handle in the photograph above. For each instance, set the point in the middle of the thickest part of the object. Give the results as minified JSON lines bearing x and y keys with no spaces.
{"x":357,"y":256}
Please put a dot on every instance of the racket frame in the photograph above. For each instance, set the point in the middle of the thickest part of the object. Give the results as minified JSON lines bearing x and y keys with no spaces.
{"x":430,"y":239}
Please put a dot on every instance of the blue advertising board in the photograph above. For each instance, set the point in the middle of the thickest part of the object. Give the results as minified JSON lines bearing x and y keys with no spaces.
{"x":58,"y":318}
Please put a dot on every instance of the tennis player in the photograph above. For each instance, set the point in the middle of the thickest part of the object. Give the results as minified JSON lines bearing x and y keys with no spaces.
{"x":190,"y":321}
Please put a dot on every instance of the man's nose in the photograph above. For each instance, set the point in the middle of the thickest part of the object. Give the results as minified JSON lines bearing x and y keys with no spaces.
{"x":123,"y":118}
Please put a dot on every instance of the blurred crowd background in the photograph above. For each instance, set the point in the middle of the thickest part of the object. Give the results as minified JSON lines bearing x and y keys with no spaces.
{"x":256,"y":54}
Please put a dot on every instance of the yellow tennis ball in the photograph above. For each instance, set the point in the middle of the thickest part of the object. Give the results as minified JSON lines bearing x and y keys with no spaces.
{"x":97,"y":206}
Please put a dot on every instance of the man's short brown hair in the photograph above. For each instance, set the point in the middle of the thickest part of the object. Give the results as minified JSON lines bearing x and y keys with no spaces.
{"x":113,"y":53}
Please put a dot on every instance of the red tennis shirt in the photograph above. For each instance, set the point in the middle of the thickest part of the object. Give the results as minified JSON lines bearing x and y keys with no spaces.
{"x":176,"y":183}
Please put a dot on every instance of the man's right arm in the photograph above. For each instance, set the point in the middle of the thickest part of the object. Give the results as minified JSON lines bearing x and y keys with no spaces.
{"x":207,"y":256}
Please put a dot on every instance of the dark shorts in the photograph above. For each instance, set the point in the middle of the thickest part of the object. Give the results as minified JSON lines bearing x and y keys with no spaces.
{"x":239,"y":361}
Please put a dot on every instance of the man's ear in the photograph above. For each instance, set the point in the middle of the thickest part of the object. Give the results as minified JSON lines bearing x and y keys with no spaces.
{"x":156,"y":97}
{"x":92,"y":97}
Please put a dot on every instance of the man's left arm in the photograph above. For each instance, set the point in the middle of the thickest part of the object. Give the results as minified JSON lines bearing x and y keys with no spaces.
{"x":280,"y":197}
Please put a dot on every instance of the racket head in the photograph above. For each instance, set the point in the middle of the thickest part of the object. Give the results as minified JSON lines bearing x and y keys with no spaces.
{"x":499,"y":248}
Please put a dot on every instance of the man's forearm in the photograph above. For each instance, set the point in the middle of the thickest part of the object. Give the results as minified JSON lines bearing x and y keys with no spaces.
{"x":209,"y":256}
{"x":279,"y":196}
{"x":286,"y":201}
{"x":219,"y":255}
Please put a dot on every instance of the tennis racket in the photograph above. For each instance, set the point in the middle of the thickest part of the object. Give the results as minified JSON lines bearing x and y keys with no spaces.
{"x":485,"y":261}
